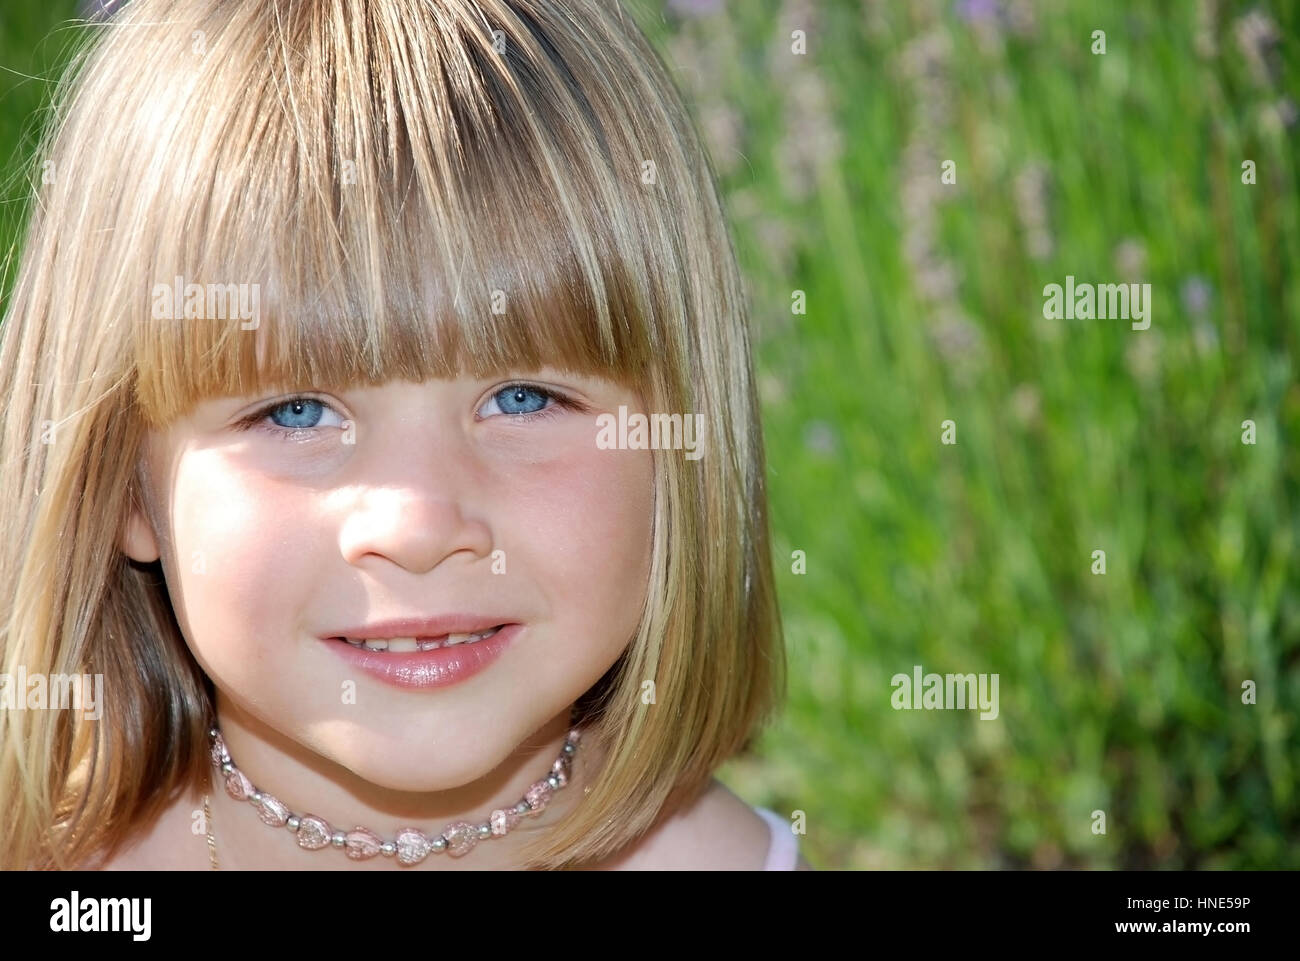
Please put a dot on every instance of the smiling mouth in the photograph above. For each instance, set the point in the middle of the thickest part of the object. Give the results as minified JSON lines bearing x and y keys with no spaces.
{"x":409,"y":645}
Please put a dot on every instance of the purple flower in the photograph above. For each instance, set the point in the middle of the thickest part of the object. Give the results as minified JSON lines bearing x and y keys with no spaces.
{"x":820,"y":437}
{"x":1195,"y":295}
{"x":976,"y":11}
{"x":695,"y":8}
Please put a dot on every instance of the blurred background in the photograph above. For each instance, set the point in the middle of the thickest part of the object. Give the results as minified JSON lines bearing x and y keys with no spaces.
{"x":923,"y":302}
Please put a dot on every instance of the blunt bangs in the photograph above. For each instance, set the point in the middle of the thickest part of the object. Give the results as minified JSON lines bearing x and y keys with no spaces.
{"x":382,"y":222}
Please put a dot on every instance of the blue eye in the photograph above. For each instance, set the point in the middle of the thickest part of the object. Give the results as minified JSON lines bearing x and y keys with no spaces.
{"x":293,"y":418}
{"x":524,"y":400}
{"x":520,"y":399}
{"x":304,"y":413}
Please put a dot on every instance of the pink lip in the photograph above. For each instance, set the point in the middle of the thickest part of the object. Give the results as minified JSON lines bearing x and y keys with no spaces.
{"x":425,"y":670}
{"x":423,"y":627}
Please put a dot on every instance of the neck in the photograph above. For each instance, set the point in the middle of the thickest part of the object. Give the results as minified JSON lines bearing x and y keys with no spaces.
{"x":310,"y":784}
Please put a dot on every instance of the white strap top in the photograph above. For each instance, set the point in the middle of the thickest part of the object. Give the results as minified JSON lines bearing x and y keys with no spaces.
{"x":783,"y":855}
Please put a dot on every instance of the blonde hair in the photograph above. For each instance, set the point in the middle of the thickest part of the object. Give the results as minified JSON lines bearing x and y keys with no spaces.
{"x":379,"y":168}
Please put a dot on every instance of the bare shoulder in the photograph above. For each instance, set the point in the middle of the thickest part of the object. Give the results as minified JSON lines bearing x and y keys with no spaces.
{"x":718,"y":832}
{"x":747,"y":838}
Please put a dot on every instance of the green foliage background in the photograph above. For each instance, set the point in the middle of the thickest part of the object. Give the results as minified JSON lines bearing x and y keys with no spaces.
{"x":1119,"y":692}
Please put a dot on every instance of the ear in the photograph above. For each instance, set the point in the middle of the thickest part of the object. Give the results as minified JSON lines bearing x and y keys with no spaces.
{"x":138,"y":541}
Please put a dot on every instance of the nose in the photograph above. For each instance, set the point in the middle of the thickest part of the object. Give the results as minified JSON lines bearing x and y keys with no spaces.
{"x":414,"y":515}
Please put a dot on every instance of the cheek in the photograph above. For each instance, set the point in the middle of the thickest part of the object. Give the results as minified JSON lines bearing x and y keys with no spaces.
{"x":235,"y":537}
{"x":585,"y":523}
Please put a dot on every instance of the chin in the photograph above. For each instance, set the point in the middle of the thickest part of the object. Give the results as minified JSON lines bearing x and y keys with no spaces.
{"x":421,"y":770}
{"x":422,"y":782}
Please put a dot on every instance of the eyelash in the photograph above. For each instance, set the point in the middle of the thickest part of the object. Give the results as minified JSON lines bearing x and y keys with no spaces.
{"x":256,"y":419}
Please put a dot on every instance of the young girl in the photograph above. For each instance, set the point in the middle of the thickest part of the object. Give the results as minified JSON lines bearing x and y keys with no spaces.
{"x":380,"y":431}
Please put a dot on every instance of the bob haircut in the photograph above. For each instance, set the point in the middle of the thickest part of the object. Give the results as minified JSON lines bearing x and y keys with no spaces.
{"x":379,"y":168}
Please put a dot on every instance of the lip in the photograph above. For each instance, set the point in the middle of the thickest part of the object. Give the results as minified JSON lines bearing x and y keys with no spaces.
{"x":426,"y":670}
{"x":422,"y":627}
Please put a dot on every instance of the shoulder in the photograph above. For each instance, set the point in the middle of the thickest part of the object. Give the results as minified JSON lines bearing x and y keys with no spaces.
{"x":718,"y":832}
{"x":747,"y":837}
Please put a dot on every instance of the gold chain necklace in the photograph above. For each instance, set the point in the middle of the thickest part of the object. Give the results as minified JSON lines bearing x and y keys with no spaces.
{"x":212,"y":841}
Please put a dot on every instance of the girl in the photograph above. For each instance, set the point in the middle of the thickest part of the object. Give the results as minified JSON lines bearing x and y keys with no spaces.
{"x":345,"y":372}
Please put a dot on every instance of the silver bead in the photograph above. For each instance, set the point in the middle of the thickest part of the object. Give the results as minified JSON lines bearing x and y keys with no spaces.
{"x":485,"y":830}
{"x":227,"y":768}
{"x":388,"y":849}
{"x":553,"y":781}
{"x":522,"y":807}
{"x":438,"y":844}
{"x":570,"y":748}
{"x":293,"y":822}
{"x":213,"y":732}
{"x":256,"y":797}
{"x":339,"y":839}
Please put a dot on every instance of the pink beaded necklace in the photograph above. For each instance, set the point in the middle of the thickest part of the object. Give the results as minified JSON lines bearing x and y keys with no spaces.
{"x":410,"y":846}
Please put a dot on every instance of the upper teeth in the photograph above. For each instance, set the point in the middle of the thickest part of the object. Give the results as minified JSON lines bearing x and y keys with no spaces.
{"x":404,"y":645}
